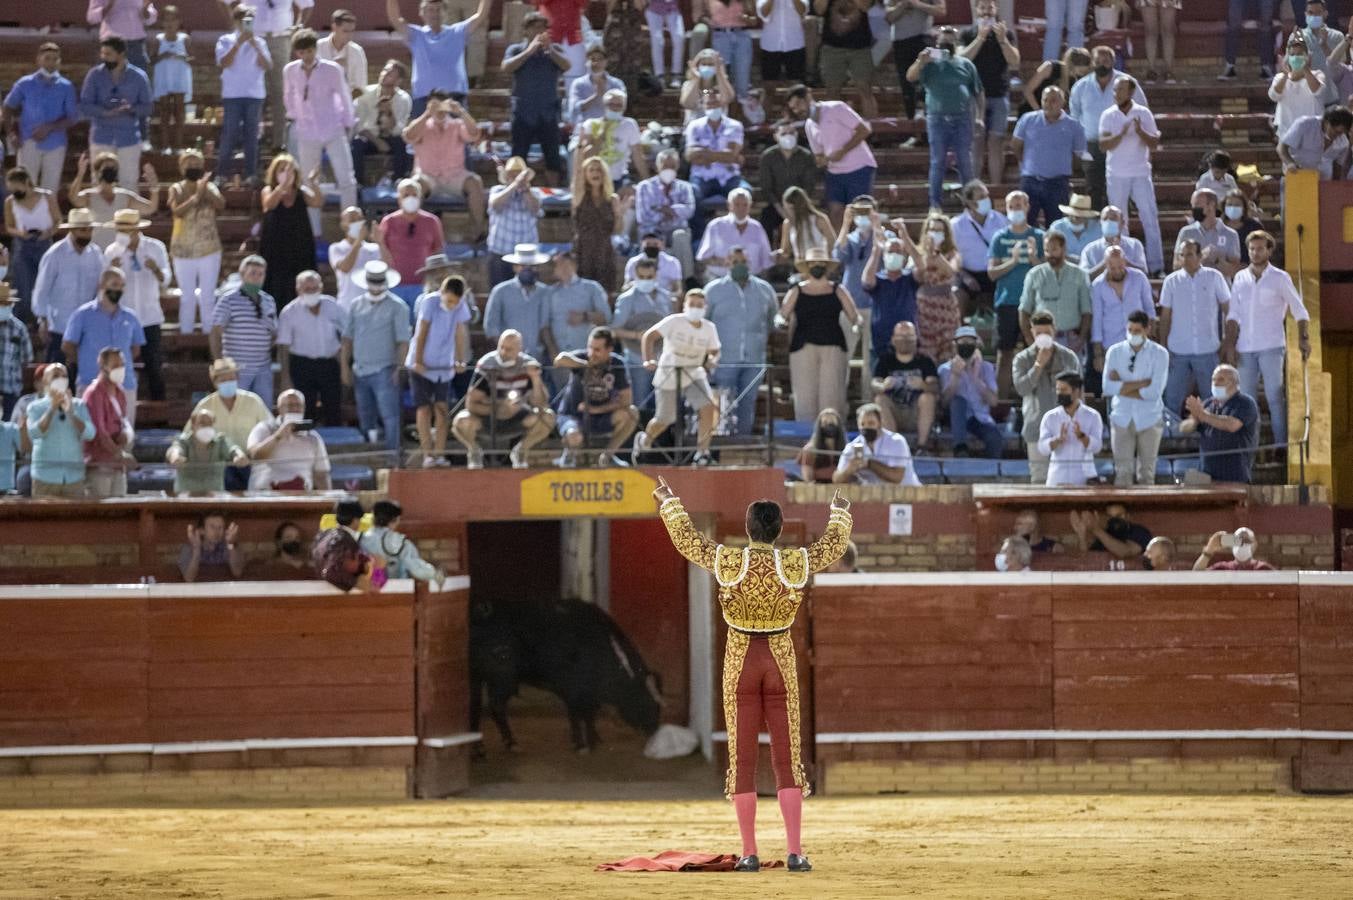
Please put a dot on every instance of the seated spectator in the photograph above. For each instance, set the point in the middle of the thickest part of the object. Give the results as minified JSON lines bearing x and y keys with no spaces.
{"x":1159,"y":555}
{"x":383,"y":111}
{"x":1078,"y":225}
{"x":360,"y":245}
{"x":1069,"y":435}
{"x":507,"y":395}
{"x":906,"y":386}
{"x":440,"y":350}
{"x":1112,"y":225}
{"x":288,"y":452}
{"x":652,"y":247}
{"x":597,"y":400}
{"x":736,"y":229}
{"x":586,"y":95}
{"x":211,"y":553}
{"x":847,"y":564}
{"x":290,"y":560}
{"x":1318,"y":143}
{"x":108,"y":455}
{"x":18,"y":345}
{"x":235,"y":411}
{"x":1228,"y":427}
{"x":401,"y":555}
{"x":690,"y":350}
{"x":615,"y":138}
{"x":309,"y":337}
{"x":664,"y":204}
{"x":968,"y":390}
{"x":819,"y":457}
{"x":1029,"y":527}
{"x":58,"y":426}
{"x":1217,"y":178}
{"x":974,"y":229}
{"x":200,"y":455}
{"x":1114,"y":296}
{"x":889,"y":288}
{"x":1219,"y":242}
{"x":1036,"y":371}
{"x":1118,"y":536}
{"x":1060,"y":289}
{"x":514,"y":216}
{"x":439,"y":138}
{"x":1015,"y":555}
{"x":714,"y":149}
{"x":1242,"y":544}
{"x":1135,"y":373}
{"x":784,"y":165}
{"x":877,"y":455}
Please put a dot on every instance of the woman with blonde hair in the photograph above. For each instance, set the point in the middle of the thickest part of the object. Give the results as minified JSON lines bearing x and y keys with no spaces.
{"x":104,"y":197}
{"x":195,"y":243}
{"x":1074,"y":65}
{"x":286,"y":240}
{"x":937,"y":264}
{"x":805,"y":226}
{"x":598,"y":213}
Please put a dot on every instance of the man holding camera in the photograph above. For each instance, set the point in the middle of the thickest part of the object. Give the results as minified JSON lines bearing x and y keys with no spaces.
{"x":288,"y":454}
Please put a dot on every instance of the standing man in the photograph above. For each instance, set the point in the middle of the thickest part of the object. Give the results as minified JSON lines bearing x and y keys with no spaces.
{"x":339,"y":47}
{"x":641,"y":307}
{"x":360,"y":245}
{"x":234,"y":411}
{"x":308,"y":340}
{"x":1069,"y":436}
{"x":575,"y":306}
{"x":16,"y":353}
{"x":690,"y":349}
{"x":439,"y":139}
{"x":243,"y":326}
{"x":742,"y":307}
{"x":67,"y":276}
{"x":840,"y":141}
{"x":109,"y":452}
{"x":988,"y":44}
{"x":1219,"y":242}
{"x":375,"y":342}
{"x":1256,"y":328}
{"x":1128,"y":135}
{"x":116,"y":99}
{"x":276,"y":20}
{"x":1062,"y":290}
{"x":1048,"y":143}
{"x":39,"y":110}
{"x":1135,"y":373}
{"x":440,"y":351}
{"x":759,"y":595}
{"x":1090,"y":97}
{"x":101,"y":323}
{"x":125,"y":19}
{"x":736,"y":229}
{"x":535,"y":65}
{"x":785,"y":164}
{"x":319,"y":104}
{"x":1037,"y":369}
{"x":521,"y":303}
{"x":245,"y":63}
{"x":1112,"y":225}
{"x":1192,"y":301}
{"x":952,"y":89}
{"x":58,"y":426}
{"x":665,"y":204}
{"x":438,"y":51}
{"x":144,"y":263}
{"x":1120,"y":291}
{"x":1014,"y":251}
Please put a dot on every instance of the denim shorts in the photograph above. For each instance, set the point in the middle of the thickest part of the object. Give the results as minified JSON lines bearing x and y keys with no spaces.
{"x":844,"y":188}
{"x":997,"y":116}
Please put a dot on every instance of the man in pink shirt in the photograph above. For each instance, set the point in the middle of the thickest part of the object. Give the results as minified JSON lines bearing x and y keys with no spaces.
{"x":411,"y":234}
{"x":438,"y":138}
{"x":319,"y":105}
{"x":106,"y":456}
{"x":840,"y":140}
{"x":126,"y":19}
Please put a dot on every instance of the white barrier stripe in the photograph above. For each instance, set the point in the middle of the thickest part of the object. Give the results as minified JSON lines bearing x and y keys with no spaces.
{"x":453,"y":740}
{"x":209,"y":746}
{"x":1082,"y":578}
{"x":936,"y":737}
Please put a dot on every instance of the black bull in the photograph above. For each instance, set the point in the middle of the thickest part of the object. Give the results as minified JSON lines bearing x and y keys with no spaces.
{"x":571,"y":649}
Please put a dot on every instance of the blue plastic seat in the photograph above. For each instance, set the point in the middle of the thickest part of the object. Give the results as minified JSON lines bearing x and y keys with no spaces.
{"x":1015,"y":468}
{"x":928,"y":470}
{"x":1164,"y":469}
{"x":1105,"y":467}
{"x":971,"y":469}
{"x":153,"y":477}
{"x":340,"y":436}
{"x":1187,"y":464}
{"x":156,"y":439}
{"x":350,"y":476}
{"x":792,"y":429}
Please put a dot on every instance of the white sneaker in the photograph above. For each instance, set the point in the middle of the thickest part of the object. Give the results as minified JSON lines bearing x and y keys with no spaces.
{"x":474,"y":459}
{"x":568,"y":459}
{"x":640,"y":445}
{"x":608,"y":460}
{"x":702,"y":459}
{"x":429,"y":462}
{"x":518,"y":457}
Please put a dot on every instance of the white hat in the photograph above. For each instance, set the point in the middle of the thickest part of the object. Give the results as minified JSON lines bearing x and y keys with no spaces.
{"x":378,"y":272}
{"x":527,"y":255}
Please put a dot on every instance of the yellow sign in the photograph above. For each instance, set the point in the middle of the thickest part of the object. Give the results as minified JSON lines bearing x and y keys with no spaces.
{"x":597,"y":492}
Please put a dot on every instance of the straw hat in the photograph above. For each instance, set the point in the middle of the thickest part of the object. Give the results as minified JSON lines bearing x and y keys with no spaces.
{"x":436,"y":262}
{"x":376,"y":274}
{"x":127,"y":218}
{"x":514,"y":166}
{"x":223,"y":366}
{"x":1249,"y":174}
{"x":1079,"y":206}
{"x":78,"y":218}
{"x":817,"y":256}
{"x":527,"y":255}
{"x":7,"y":297}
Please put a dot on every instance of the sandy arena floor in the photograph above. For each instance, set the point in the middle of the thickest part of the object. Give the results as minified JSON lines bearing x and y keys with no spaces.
{"x":990,"y":847}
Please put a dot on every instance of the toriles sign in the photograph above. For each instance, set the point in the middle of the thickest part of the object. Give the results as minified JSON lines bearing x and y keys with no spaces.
{"x":603,"y":492}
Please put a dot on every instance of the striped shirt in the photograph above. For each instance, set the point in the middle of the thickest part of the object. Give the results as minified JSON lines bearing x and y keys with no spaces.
{"x":249,"y":329}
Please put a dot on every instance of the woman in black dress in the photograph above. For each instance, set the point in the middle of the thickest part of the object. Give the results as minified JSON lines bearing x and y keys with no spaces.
{"x":818,"y":362}
{"x":286,"y":240}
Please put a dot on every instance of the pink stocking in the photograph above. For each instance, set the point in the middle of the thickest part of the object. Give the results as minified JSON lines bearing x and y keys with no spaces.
{"x":791,"y":808}
{"x":745,"y":805}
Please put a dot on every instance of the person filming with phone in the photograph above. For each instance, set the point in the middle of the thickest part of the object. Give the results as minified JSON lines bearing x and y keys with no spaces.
{"x":288,"y":454}
{"x":1241,"y":544}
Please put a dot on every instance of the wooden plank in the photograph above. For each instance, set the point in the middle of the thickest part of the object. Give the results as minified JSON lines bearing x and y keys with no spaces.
{"x":892,"y":678}
{"x":1327,"y":716}
{"x":849,"y":720}
{"x":1165,"y":608}
{"x":935,"y":630}
{"x":366,"y":670}
{"x":168,"y":648}
{"x":874,"y":653}
{"x":276,"y":617}
{"x":74,"y":730}
{"x":1177,"y":661}
{"x":1326,"y":660}
{"x":122,"y":615}
{"x":71,"y":674}
{"x":114,"y":703}
{"x":1169,"y":690}
{"x":1327,"y":688}
{"x":1193,"y":716}
{"x":885,"y":602}
{"x":864,"y":697}
{"x":296,"y":700}
{"x":1214,"y":633}
{"x":281,"y":725}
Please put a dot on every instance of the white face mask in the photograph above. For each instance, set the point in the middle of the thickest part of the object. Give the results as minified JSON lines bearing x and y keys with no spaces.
{"x":644,"y":285}
{"x":937,"y":237}
{"x":741,"y":220}
{"x":788,"y":141}
{"x":695,"y":313}
{"x":206,"y":434}
{"x":3,"y":271}
{"x":1017,"y":216}
{"x":410,"y":204}
{"x":1136,"y":340}
{"x":1243,"y":552}
{"x":60,"y":384}
{"x":1043,"y":341}
{"x":893,"y":262}
{"x":122,"y":239}
{"x":667,"y":176}
{"x":118,"y":375}
{"x":864,"y":223}
{"x":1002,"y":563}
{"x":354,"y":230}
{"x":311,"y":300}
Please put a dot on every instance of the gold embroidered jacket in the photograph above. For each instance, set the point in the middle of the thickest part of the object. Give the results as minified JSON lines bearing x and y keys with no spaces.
{"x":760,"y":587}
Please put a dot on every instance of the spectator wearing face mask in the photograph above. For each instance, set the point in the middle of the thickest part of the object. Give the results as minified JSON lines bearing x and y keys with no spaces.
{"x":1069,"y":435}
{"x":1128,"y":135}
{"x":1030,"y":528}
{"x":952,"y":87}
{"x":439,"y":351}
{"x":818,"y":353}
{"x":507,"y":397}
{"x":690,"y":349}
{"x":1220,"y":244}
{"x":968,"y":389}
{"x":855,"y":243}
{"x":58,"y":426}
{"x":70,"y":272}
{"x":410,"y":234}
{"x":742,"y":307}
{"x":361,"y":244}
{"x":974,"y":229}
{"x":1094,"y":258}
{"x":906,"y":386}
{"x":100,"y":323}
{"x":737,"y":229}
{"x":653,"y":249}
{"x":1078,"y":225}
{"x":785,"y":164}
{"x":401,"y":555}
{"x":1037,"y":369}
{"x":1014,"y":252}
{"x":664,"y":205}
{"x":1135,"y":373}
{"x":290,"y":562}
{"x":309,"y":333}
{"x":107,"y":455}
{"x":644,"y":304}
{"x":1061,"y":289}
{"x":514,"y":215}
{"x":200,"y":456}
{"x":889,"y":287}
{"x":1192,"y":301}
{"x":1116,"y":535}
{"x":1014,"y":556}
{"x":144,"y":263}
{"x":1090,"y":97}
{"x":235,"y":411}
{"x":244,"y":325}
{"x":714,"y":143}
{"x":1241,"y":543}
{"x":818,"y":458}
{"x":16,"y":352}
{"x":1159,"y":555}
{"x":877,"y":455}
{"x":1298,"y":86}
{"x":1227,"y":424}
{"x":289,"y":455}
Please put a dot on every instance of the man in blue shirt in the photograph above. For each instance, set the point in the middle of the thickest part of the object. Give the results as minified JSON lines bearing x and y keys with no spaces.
{"x":742,"y":308}
{"x":573,"y":307}
{"x":439,"y":351}
{"x":968,"y":387}
{"x":638,"y":309}
{"x":1048,"y":143}
{"x":1089,"y":98}
{"x":1014,"y":251}
{"x":1228,"y":427}
{"x":44,"y":105}
{"x":891,"y":290}
{"x":58,"y":425}
{"x":438,"y":50}
{"x":1135,"y":373}
{"x":100,"y":323}
{"x":535,"y":65}
{"x":116,"y":98}
{"x":67,"y":277}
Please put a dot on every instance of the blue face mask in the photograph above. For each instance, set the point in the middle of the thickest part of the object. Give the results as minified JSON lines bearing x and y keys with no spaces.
{"x":1109,"y":228}
{"x":645,"y":285}
{"x":1220,"y":394}
{"x":6,"y":313}
{"x":706,"y":72}
{"x":1017,"y":216}
{"x":714,"y":114}
{"x":613,"y":115}
{"x":1314,"y":22}
{"x":228,"y":389}
{"x":984,"y":206}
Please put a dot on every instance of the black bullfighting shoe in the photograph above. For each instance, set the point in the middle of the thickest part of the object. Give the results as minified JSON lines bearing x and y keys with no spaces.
{"x":796,"y":863}
{"x":748,"y":864}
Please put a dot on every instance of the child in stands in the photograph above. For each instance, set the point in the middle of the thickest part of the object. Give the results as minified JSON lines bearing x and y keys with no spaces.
{"x":173,"y":79}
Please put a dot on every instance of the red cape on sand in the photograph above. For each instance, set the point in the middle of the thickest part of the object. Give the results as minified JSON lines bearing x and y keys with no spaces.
{"x":681,"y":861}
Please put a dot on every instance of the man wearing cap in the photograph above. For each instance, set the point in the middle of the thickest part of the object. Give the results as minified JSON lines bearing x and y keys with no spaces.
{"x":16,"y":351}
{"x":1079,"y":225}
{"x":968,"y":386}
{"x":375,"y":341}
{"x":144,"y":263}
{"x":67,"y":277}
{"x":58,"y":426}
{"x":360,"y":245}
{"x":1048,"y":143}
{"x":101,"y":323}
{"x":243,"y":326}
{"x":410,"y":235}
{"x":308,"y":333}
{"x":520,"y":304}
{"x":235,"y":412}
{"x":514,"y":215}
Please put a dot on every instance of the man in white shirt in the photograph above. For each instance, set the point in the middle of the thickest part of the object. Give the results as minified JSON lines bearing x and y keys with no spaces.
{"x":1190,"y":300}
{"x":1128,"y":134}
{"x":245,"y":61}
{"x":353,"y":252}
{"x":1112,"y":228}
{"x":1135,"y":372}
{"x":1070,"y":434}
{"x":1261,"y":296}
{"x":274,"y":21}
{"x":382,"y":110}
{"x":690,"y":349}
{"x":669,"y":267}
{"x":145,"y":266}
{"x":309,"y":336}
{"x":974,"y":229}
{"x":616,"y":139}
{"x":339,"y":47}
{"x":288,"y":454}
{"x":877,"y":456}
{"x":736,"y":229}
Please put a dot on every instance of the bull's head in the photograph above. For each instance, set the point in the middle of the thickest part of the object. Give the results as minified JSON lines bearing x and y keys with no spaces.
{"x":639,"y":698}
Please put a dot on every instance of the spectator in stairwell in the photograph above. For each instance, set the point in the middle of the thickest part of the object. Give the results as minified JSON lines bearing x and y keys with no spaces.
{"x":1318,"y":143}
{"x":990,"y":44}
{"x":1219,"y":242}
{"x":382,"y":111}
{"x":212,"y":552}
{"x":144,"y":263}
{"x":286,"y":236}
{"x":1014,"y":251}
{"x":319,"y":106}
{"x":439,"y":137}
{"x":309,"y":330}
{"x":705,"y":73}
{"x":911,"y":22}
{"x":38,"y":111}
{"x":652,"y":247}
{"x":952,"y":88}
{"x":195,"y":242}
{"x":243,"y":327}
{"x":1091,"y":96}
{"x":743,"y":308}
{"x":1128,"y":135}
{"x":439,"y":351}
{"x":1062,"y":290}
{"x":818,"y":352}
{"x":535,"y":65}
{"x":1064,"y":17}
{"x":438,"y":50}
{"x":839,"y":138}
{"x":288,"y":454}
{"x":1037,"y":369}
{"x":409,"y":235}
{"x":847,"y":50}
{"x":1236,"y":14}
{"x":1120,"y":291}
{"x":339,"y":47}
{"x":1135,"y":374}
{"x":644,"y":304}
{"x":877,"y":455}
{"x":1069,"y":435}
{"x":70,"y":271}
{"x":1241,"y":543}
{"x":116,"y":98}
{"x":1227,"y":424}
{"x":906,"y":386}
{"x":1159,"y":18}
{"x":598,"y":219}
{"x":785,"y":164}
{"x":375,"y":342}
{"x":968,"y":392}
{"x":736,"y":229}
{"x":586,"y":94}
{"x":58,"y":424}
{"x":1048,"y":143}
{"x":1298,"y":87}
{"x":714,"y":150}
{"x":201,"y":454}
{"x":16,"y":351}
{"x":514,"y":216}
{"x":596,"y":402}
{"x":361,"y":243}
{"x":818,"y":457}
{"x":1256,"y":334}
{"x":1193,"y":300}
{"x":974,"y":229}
{"x":1113,"y":228}
{"x":245,"y":63}
{"x":784,"y":52}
